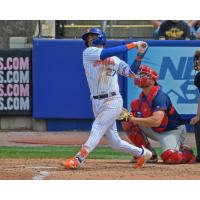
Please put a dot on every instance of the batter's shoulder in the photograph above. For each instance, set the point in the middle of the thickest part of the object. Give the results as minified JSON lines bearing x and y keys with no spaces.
{"x":92,"y":51}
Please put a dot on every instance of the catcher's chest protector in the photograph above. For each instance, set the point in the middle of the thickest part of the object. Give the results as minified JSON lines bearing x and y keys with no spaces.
{"x":145,"y":109}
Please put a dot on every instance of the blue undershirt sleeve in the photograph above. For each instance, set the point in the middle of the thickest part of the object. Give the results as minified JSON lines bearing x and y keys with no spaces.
{"x":137,"y":62}
{"x":106,"y":53}
{"x":135,"y":65}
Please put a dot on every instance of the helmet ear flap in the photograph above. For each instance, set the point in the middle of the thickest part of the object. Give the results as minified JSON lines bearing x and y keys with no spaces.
{"x":100,"y":40}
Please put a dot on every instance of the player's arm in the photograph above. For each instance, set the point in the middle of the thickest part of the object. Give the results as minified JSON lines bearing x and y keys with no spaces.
{"x":152,"y":121}
{"x":137,"y":62}
{"x":159,"y":105}
{"x":113,"y":51}
{"x":129,"y":71}
{"x":122,"y":68}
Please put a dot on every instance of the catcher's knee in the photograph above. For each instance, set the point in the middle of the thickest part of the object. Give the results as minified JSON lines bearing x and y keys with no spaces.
{"x":127,"y":126}
{"x":178,"y":157}
{"x":171,"y":156}
{"x":137,"y":138}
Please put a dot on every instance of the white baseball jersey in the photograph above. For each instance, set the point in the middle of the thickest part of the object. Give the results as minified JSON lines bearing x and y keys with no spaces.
{"x":102,"y":79}
{"x":102,"y":74}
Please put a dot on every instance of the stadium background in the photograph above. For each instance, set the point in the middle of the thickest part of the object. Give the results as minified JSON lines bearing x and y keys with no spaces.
{"x":59,"y":96}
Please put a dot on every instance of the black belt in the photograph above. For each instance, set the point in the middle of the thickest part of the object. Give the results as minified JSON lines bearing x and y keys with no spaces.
{"x":103,"y":96}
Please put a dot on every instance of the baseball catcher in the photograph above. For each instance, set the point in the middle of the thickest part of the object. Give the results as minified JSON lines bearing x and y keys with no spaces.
{"x":153,"y":115}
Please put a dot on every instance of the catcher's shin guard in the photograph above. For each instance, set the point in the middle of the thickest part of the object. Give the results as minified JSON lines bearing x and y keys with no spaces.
{"x":77,"y":161}
{"x":137,"y":137}
{"x":178,"y":157}
{"x":171,"y":156}
{"x":188,"y":154}
{"x":140,"y":140}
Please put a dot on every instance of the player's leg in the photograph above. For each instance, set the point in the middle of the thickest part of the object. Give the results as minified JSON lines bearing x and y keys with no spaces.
{"x":106,"y":112}
{"x":135,"y":134}
{"x":137,"y":138}
{"x":168,"y":139}
{"x":174,"y":151}
{"x":171,"y":142}
{"x":113,"y":139}
{"x":197,"y":138}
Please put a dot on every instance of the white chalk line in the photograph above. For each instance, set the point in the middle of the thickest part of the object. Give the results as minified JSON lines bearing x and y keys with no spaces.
{"x":41,"y":175}
{"x":41,"y":167}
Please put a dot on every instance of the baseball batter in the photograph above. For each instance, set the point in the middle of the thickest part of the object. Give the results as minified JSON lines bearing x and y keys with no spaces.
{"x":101,"y":69}
{"x":154,"y":116}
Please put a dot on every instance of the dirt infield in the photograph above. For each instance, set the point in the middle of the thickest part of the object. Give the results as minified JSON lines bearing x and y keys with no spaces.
{"x":50,"y":169}
{"x":62,"y":138}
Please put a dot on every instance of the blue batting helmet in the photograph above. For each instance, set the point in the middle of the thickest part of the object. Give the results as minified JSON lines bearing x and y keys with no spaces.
{"x":101,"y":37}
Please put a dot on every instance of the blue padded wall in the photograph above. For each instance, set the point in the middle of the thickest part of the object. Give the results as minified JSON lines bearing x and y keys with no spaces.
{"x":60,"y":89}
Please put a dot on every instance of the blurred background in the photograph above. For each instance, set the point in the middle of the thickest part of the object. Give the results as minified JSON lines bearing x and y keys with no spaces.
{"x":19,"y":33}
{"x":39,"y":60}
{"x":22,"y":31}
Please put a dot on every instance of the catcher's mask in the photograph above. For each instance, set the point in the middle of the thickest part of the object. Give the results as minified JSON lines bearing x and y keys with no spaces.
{"x":100,"y":38}
{"x":196,"y":60}
{"x":144,"y":75}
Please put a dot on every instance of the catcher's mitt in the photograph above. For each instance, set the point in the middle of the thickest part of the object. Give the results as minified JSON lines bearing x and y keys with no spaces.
{"x":125,"y":115}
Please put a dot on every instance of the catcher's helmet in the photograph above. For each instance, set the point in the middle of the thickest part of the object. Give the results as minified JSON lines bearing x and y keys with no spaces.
{"x":101,"y":37}
{"x":144,"y":74}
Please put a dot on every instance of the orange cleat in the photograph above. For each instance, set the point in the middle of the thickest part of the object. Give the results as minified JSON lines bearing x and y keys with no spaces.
{"x":141,"y":160}
{"x":71,"y":163}
{"x":153,"y":159}
{"x":77,"y":161}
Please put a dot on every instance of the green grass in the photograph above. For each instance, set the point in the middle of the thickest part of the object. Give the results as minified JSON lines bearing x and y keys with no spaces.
{"x":62,"y":152}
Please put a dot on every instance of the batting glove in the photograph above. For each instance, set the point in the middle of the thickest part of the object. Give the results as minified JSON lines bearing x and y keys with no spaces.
{"x":141,"y":46}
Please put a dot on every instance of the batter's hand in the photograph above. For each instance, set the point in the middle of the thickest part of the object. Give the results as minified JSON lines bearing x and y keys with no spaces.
{"x":142,"y":46}
{"x":194,"y":120}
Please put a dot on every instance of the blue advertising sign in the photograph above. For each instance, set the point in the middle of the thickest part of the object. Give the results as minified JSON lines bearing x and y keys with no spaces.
{"x":176,"y":75}
{"x":15,"y":81}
